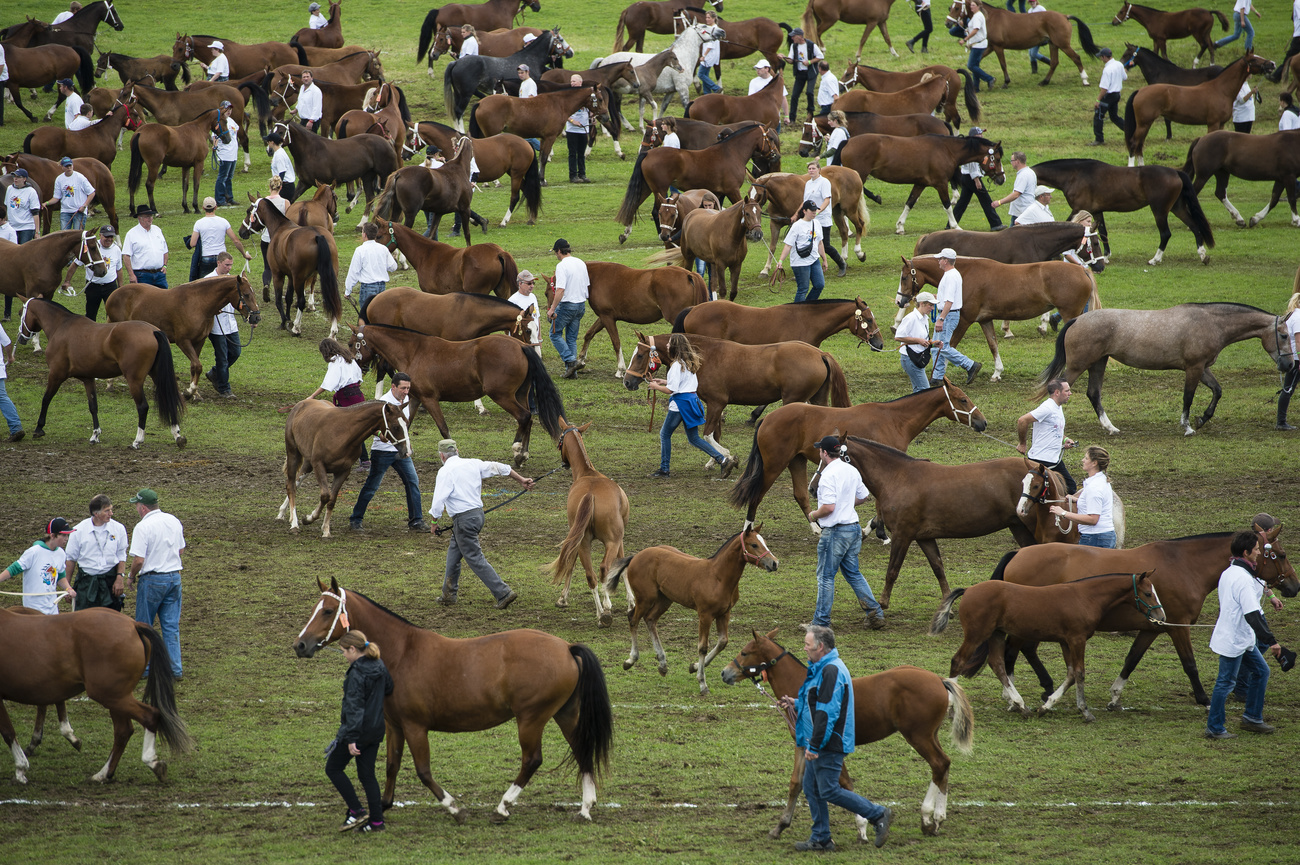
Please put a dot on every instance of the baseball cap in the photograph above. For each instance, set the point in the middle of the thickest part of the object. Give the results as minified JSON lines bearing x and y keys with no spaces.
{"x":560,"y":245}
{"x":22,"y":172}
{"x":526,"y":276}
{"x":926,"y":297}
{"x":108,"y":231}
{"x":225,"y":103}
{"x":949,"y":253}
{"x":216,"y":45}
{"x":58,"y":526}
{"x":763,"y":64}
{"x":974,"y":131}
{"x":209,"y":203}
{"x":1105,"y":52}
{"x":446,"y":446}
{"x":145,"y":497}
{"x":798,"y":31}
{"x":66,"y":82}
{"x":1040,"y":189}
{"x":1264,"y":522}
{"x":829,"y":443}
{"x":67,"y":160}
{"x":315,"y":7}
{"x":524,"y":67}
{"x":275,"y":138}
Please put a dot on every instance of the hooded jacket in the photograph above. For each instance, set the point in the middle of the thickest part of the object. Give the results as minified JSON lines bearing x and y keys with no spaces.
{"x":825,"y":704}
{"x":364,"y":689}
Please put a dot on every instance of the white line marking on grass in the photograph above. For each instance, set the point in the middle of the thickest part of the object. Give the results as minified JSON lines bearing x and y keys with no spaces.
{"x":1096,"y":803}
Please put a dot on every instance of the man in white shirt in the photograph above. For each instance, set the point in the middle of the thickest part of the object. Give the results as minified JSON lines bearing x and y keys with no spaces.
{"x":949,"y":301}
{"x":459,"y":491}
{"x":384,"y":455}
{"x":575,"y":137}
{"x":208,"y":240}
{"x":219,"y":68}
{"x":227,"y":150}
{"x":310,"y":101}
{"x":568,"y":305}
{"x":157,"y":545}
{"x":73,"y":9}
{"x":1113,"y":76}
{"x":527,"y":301}
{"x":710,"y":51}
{"x":144,"y":250}
{"x":527,"y":86}
{"x":839,"y":491}
{"x":74,"y":195}
{"x":224,"y":335}
{"x":803,"y":57}
{"x":72,"y":102}
{"x":1048,"y":424}
{"x":97,"y":557}
{"x":1039,"y":210}
{"x":282,"y":166}
{"x":828,"y":88}
{"x":83,"y":119}
{"x":763,"y":74}
{"x":1022,"y":191}
{"x":315,"y":19}
{"x":977,"y":40}
{"x":371,"y":264}
{"x":817,"y":189}
{"x":970,"y":178}
{"x":98,"y":288}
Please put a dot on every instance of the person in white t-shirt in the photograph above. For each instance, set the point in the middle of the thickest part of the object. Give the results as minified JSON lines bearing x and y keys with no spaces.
{"x":836,"y":138}
{"x":385,"y":455}
{"x":469,"y":41}
{"x":763,"y":74}
{"x":828,"y":87}
{"x":342,"y":381}
{"x":219,"y":68}
{"x":803,"y":57}
{"x":1034,"y":54}
{"x":98,"y":288}
{"x":710,"y":51}
{"x":315,"y":20}
{"x":1095,"y":507}
{"x":804,"y":244}
{"x":525,"y":299}
{"x":74,"y":195}
{"x":949,"y":300}
{"x":977,"y":40}
{"x":914,"y":335}
{"x":1022,"y":191}
{"x":96,"y":553}
{"x":1109,"y":91}
{"x":817,"y":189}
{"x":227,"y":151}
{"x":527,"y":86}
{"x":42,"y":567}
{"x":1039,"y":210}
{"x":72,"y":102}
{"x":224,"y":335}
{"x":73,"y":9}
{"x":208,"y":239}
{"x":1048,"y":425}
{"x":1291,"y":318}
{"x":7,"y":409}
{"x":84,"y":118}
{"x":684,"y":406}
{"x":568,"y":305}
{"x":1243,"y":108}
{"x":1288,"y":114}
{"x":839,"y":491}
{"x":157,"y":547}
{"x":1241,"y":20}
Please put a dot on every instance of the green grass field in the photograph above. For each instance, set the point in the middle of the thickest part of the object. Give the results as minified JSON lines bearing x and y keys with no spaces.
{"x":692,"y":779}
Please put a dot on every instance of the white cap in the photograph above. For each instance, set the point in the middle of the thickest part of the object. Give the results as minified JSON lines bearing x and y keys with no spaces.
{"x":948,"y":252}
{"x":763,"y":64}
{"x":926,"y":297}
{"x":216,"y":45}
{"x":1042,"y":190}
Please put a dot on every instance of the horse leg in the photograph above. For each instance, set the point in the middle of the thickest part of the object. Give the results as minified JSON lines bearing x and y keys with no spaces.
{"x":633,"y":619}
{"x":1221,"y":192}
{"x":10,"y":736}
{"x":989,"y":337}
{"x":38,"y":731}
{"x":799,"y":483}
{"x":934,"y":808}
{"x":1208,"y":379}
{"x":1136,"y":651}
{"x":897,"y":553}
{"x":932,"y":555}
{"x":997,"y":663}
{"x":122,"y":731}
{"x":652,"y":625}
{"x":92,"y":402}
{"x":299,"y":290}
{"x":1272,"y":203}
{"x":702,"y":649}
{"x":1030,"y":651}
{"x":792,"y":795}
{"x":196,"y":368}
{"x":530,"y":760}
{"x":604,"y":609}
{"x":1096,"y":374}
{"x":418,"y":739}
{"x":65,"y":728}
{"x":16,"y":92}
{"x":318,"y":469}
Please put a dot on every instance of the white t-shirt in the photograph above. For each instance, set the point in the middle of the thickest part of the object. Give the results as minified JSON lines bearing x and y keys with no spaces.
{"x":7,"y":233}
{"x":711,"y":50}
{"x":228,"y":151}
{"x":759,"y":82}
{"x":977,"y":22}
{"x":840,"y":485}
{"x":158,"y":539}
{"x":42,"y":568}
{"x":71,"y":109}
{"x":22,"y":203}
{"x":1096,"y":497}
{"x":212,"y":234}
{"x":81,"y":122}
{"x":220,"y":67}
{"x":680,"y":380}
{"x":1295,"y":19}
{"x":97,"y":549}
{"x":526,"y":301}
{"x":571,"y":276}
{"x":527,"y":88}
{"x":1293,"y":328}
{"x":226,"y":321}
{"x":112,"y":264}
{"x":61,"y":17}
{"x":1035,"y":213}
{"x":5,"y":342}
{"x":469,"y":47}
{"x":950,"y":288}
{"x":1113,"y":76}
{"x":834,"y":140}
{"x":1048,"y":432}
{"x":578,"y":121}
{"x":1243,"y":107}
{"x":1026,"y":183}
{"x":1239,"y":594}
{"x":282,"y":166}
{"x":1242,"y":6}
{"x":146,"y":248}
{"x":915,"y":325}
{"x":73,"y":192}
{"x":828,"y":87}
{"x":317,"y":21}
{"x":817,"y":191}
{"x":1288,"y":121}
{"x":672,"y":141}
{"x":800,"y":55}
{"x":802,"y":233}
{"x":340,"y":373}
{"x":380,"y":445}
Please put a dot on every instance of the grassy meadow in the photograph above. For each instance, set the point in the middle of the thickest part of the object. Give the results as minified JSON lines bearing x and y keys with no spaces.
{"x":693,"y":779}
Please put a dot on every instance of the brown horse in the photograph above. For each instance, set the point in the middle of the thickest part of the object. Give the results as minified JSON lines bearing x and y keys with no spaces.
{"x":764,"y":106}
{"x":882,"y":81}
{"x":60,"y":708}
{"x":457,"y":316}
{"x":491,"y":43}
{"x":44,"y":64}
{"x":1069,"y":614}
{"x":434,"y":192}
{"x":1225,"y":154}
{"x":1162,"y":26}
{"x":441,"y":268}
{"x":787,"y":437}
{"x":85,"y":350}
{"x":931,"y":92}
{"x":650,"y":16}
{"x":387,"y":110}
{"x":301,"y":254}
{"x":498,"y":156}
{"x":487,"y":16}
{"x":1012,"y":292}
{"x":313,"y":57}
{"x":244,"y":59}
{"x":660,"y":576}
{"x":322,"y":439}
{"x":38,"y":271}
{"x":185,"y":312}
{"x":1209,"y":103}
{"x":77,"y":31}
{"x":1189,"y":570}
{"x":597,"y":510}
{"x":497,"y":367}
{"x":369,"y":159}
{"x":820,"y":15}
{"x":926,"y":161}
{"x":336,"y":100}
{"x":673,"y":209}
{"x":1021,"y":244}
{"x":869,"y":122}
{"x":541,"y":117}
{"x":321,"y":210}
{"x":161,"y":68}
{"x":750,"y":36}
{"x":719,"y":238}
{"x":186,"y":146}
{"x":44,"y":171}
{"x":104,"y":654}
{"x":458,"y":686}
{"x":811,"y":322}
{"x":357,"y":66}
{"x":905,"y":700}
{"x":177,"y":108}
{"x":97,"y":142}
{"x":785,"y":195}
{"x":1008,"y":31}
{"x":329,"y":36}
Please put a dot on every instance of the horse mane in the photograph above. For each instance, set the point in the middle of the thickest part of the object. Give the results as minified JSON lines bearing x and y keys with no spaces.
{"x":724,"y":545}
{"x":912,"y":395}
{"x":381,"y":607}
{"x":822,"y":301}
{"x":442,"y":127}
{"x":1242,"y":306}
{"x":490,"y":299}
{"x":1067,"y":164}
{"x":1205,"y":536}
{"x":886,"y":448}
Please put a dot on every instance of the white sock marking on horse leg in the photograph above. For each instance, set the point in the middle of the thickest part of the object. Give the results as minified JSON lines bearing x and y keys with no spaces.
{"x":379,"y":389}
{"x":1158,"y":257}
{"x":1116,"y":689}
{"x":997,"y":366}
{"x":139,"y":438}
{"x":1188,"y":429}
{"x":1131,"y":161}
{"x":901,"y":225}
{"x":1042,"y":323}
{"x":284,"y":507}
{"x":297,"y":322}
{"x":176,"y":433}
{"x":325,"y":525}
{"x":588,"y":795}
{"x":940,"y":809}
{"x":1237,"y":217}
{"x":20,"y":762}
{"x":1057,"y":694}
{"x":862,"y":825}
{"x":449,"y":802}
{"x":1012,"y":696}
{"x":505,"y":220}
{"x":509,"y":799}
{"x":927,"y":805}
{"x":1109,"y":427}
{"x":478,"y":404}
{"x":622,"y":364}
{"x":94,"y":435}
{"x":102,"y":775}
{"x":1255,"y":220}
{"x":65,"y":730}
{"x":149,"y":753}
{"x":816,"y":529}
{"x":952,"y":220}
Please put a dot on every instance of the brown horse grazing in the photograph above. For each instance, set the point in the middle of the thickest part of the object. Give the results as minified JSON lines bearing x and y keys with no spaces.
{"x":882,"y":81}
{"x":321,"y":210}
{"x":369,"y":159}
{"x":928,"y":95}
{"x":811,"y":321}
{"x":434,"y":192}
{"x":597,"y":511}
{"x":44,"y":64}
{"x":820,"y":15}
{"x":186,"y":147}
{"x":38,"y":271}
{"x":541,"y":117}
{"x":244,"y":59}
{"x":441,"y":268}
{"x":97,"y":142}
{"x":104,"y":654}
{"x":660,"y":576}
{"x":719,"y":238}
{"x":329,"y":36}
{"x":1187,"y":337}
{"x":185,"y":312}
{"x":503,"y":155}
{"x":497,"y":367}
{"x":1069,"y":614}
{"x":85,"y":350}
{"x":487,"y":16}
{"x":161,"y":68}
{"x":650,"y":16}
{"x":764,"y":106}
{"x":459,"y":686}
{"x":1013,"y":292}
{"x":301,"y":254}
{"x":44,"y":171}
{"x":906,"y":700}
{"x":1225,"y":154}
{"x":1189,"y":570}
{"x":865,"y":122}
{"x":322,"y":439}
{"x":177,"y":108}
{"x":1209,"y":103}
{"x":1008,"y":31}
{"x":785,"y":195}
{"x":1162,"y":26}
{"x":787,"y":437}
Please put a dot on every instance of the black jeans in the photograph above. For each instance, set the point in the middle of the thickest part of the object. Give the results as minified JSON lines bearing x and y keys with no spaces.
{"x":337,"y":762}
{"x":1288,"y":388}
{"x":577,"y":142}
{"x":288,"y":190}
{"x":805,"y":83}
{"x":1109,"y":103}
{"x":970,"y":188}
{"x":1243,"y":127}
{"x":1070,"y":486}
{"x":97,"y":293}
{"x":927,"y":27}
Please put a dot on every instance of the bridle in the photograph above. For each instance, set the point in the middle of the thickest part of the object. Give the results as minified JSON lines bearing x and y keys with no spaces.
{"x":652,"y":363}
{"x":746,"y":556}
{"x":1085,"y":247}
{"x":340,"y":615}
{"x":758,"y":671}
{"x":288,"y":132}
{"x":26,"y":334}
{"x":252,"y":222}
{"x":1147,"y":609}
{"x":669,"y":203}
{"x":988,"y":161}
{"x":1042,"y":498}
{"x":900,"y":300}
{"x":283,"y":95}
{"x":387,"y":435}
{"x":859,"y":325}
{"x":1284,"y":341}
{"x":187,"y":47}
{"x":817,"y":135}
{"x":415,"y":144}
{"x":111,"y":17}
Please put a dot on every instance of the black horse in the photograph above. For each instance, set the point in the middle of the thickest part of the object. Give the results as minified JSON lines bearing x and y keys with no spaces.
{"x":474,"y":76}
{"x":1158,"y":70}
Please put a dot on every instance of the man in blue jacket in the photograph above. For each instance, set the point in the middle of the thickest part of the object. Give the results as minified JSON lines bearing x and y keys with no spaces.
{"x":824,"y":728}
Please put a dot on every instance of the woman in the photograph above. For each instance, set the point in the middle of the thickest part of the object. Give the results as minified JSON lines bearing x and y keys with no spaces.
{"x":343,"y":380}
{"x":838,"y":137}
{"x":668,"y":127}
{"x":684,"y":407}
{"x":361,"y":729}
{"x":1096,"y":524}
{"x":914,"y":330}
{"x":274,"y":185}
{"x":1289,"y":118}
{"x":1291,"y":317}
{"x":927,"y":27}
{"x":1243,"y":109}
{"x":469,"y":45}
{"x":804,"y":244}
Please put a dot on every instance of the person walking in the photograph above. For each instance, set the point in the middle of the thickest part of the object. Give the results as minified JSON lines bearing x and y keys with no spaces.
{"x":684,"y":407}
{"x":7,"y":408}
{"x":98,"y":288}
{"x":458,"y":491}
{"x":144,"y":250}
{"x":72,"y":102}
{"x":342,"y":381}
{"x":575,"y":137}
{"x":369,"y":269}
{"x":224,"y":335}
{"x":219,"y":68}
{"x":361,"y":729}
{"x":839,"y":491}
{"x":1275,"y":76}
{"x":525,"y":299}
{"x":803,"y":56}
{"x":1109,"y":90}
{"x":568,"y":304}
{"x":817,"y":189}
{"x":280,"y":203}
{"x":914,"y":335}
{"x":762,"y":75}
{"x":970,"y":180}
{"x":824,"y":729}
{"x":1022,"y":191}
{"x":24,"y":204}
{"x":828,"y":88}
{"x":1095,"y":508}
{"x":710,"y":51}
{"x":1034,"y":55}
{"x":949,"y":301}
{"x":73,"y":9}
{"x":226,"y":148}
{"x":1048,"y":425}
{"x":804,"y":244}
{"x":1241,"y":20}
{"x":922,"y":8}
{"x":1243,"y":108}
{"x":208,"y":240}
{"x":96,"y":554}
{"x":282,"y":168}
{"x":1291,"y":318}
{"x":384,"y":455}
{"x":977,"y":40}
{"x":74,"y":195}
{"x":527,"y":86}
{"x":310,"y":102}
{"x":42,"y":566}
{"x":157,"y":545}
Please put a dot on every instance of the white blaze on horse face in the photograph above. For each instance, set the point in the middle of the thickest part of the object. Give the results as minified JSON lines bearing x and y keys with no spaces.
{"x":1022,"y":507}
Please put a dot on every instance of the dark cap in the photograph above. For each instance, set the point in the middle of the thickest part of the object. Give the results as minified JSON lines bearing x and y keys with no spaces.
{"x":145,"y":497}
{"x":560,"y":245}
{"x":108,"y":231}
{"x":1287,"y":660}
{"x":1263,"y":522}
{"x":144,"y":210}
{"x":798,"y":31}
{"x":432,"y":149}
{"x":66,"y":82}
{"x":1105,"y":52}
{"x":65,"y":161}
{"x":22,"y":172}
{"x":275,"y":138}
{"x":58,"y":526}
{"x":829,"y":443}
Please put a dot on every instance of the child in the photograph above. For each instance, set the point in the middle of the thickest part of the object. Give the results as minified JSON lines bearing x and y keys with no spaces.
{"x":684,"y":406}
{"x":360,"y":731}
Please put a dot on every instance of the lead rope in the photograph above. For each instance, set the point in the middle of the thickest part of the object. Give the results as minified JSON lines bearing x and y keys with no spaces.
{"x":787,"y":714}
{"x":252,"y":328}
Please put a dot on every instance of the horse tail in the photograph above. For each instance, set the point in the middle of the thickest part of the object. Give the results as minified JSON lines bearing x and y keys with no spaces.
{"x":1223,"y":21}
{"x":27,"y":142}
{"x":329,"y":278}
{"x":809,"y":22}
{"x":302,"y":56}
{"x":864,"y":214}
{"x":294,"y":43}
{"x":1119,"y":515}
{"x":402,"y":106}
{"x":160,"y":689}
{"x":166,"y":389}
{"x":1200,"y":224}
{"x":137,"y":162}
{"x":748,"y":491}
{"x":963,"y":717}
{"x":560,"y":569}
{"x":426,"y":36}
{"x":944,"y":613}
{"x":1130,"y":121}
{"x":673,"y":255}
{"x":618,"y":32}
{"x":686,"y":109}
{"x":637,"y":191}
{"x":1000,"y":572}
{"x":532,"y":188}
{"x":262,"y":102}
{"x":616,"y":573}
{"x":550,"y":405}
{"x":839,"y":386}
{"x":1189,"y":167}
{"x":1085,"y":36}
{"x":976,"y":661}
{"x":973,"y":109}
{"x":185,"y":73}
{"x":593,"y":738}
{"x":509,"y":275}
{"x":85,"y":69}
{"x":1057,"y":365}
{"x":475,"y":131}
{"x":388,"y":195}
{"x":679,"y":325}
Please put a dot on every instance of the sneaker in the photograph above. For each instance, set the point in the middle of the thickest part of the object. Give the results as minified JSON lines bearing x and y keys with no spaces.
{"x":999,"y":227}
{"x":908,"y":43}
{"x":355,"y":525}
{"x":507,"y":600}
{"x":827,"y":846}
{"x":447,"y":600}
{"x":18,"y":436}
{"x":1257,"y":727}
{"x":973,"y":371}
{"x":882,"y":828}
{"x":1222,"y":734}
{"x":226,"y":394}
{"x":372,"y":827}
{"x":660,"y":473}
{"x":875,"y":620}
{"x":353,"y":820}
{"x":1096,"y":143}
{"x":727,"y":465}
{"x":844,"y":268}
{"x":211,"y":376}
{"x":1282,"y":427}
{"x":418,"y":526}
{"x":583,"y":178}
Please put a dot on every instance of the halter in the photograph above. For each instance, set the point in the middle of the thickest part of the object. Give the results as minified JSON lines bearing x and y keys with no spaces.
{"x":874,"y":331}
{"x":757,"y":671}
{"x":956,"y":412}
{"x":412,"y":147}
{"x":1086,"y":248}
{"x":1042,"y":498}
{"x":1122,"y":15}
{"x":340,"y":615}
{"x":1143,"y":607}
{"x":745,"y":555}
{"x":652,"y":364}
{"x":817,"y":134}
{"x":188,"y":47}
{"x":284,"y":94}
{"x":392,"y":237}
{"x":387,"y":434}
{"x":288,"y":133}
{"x":1284,"y":342}
{"x":25,"y":335}
{"x":902,"y":301}
{"x":86,"y":248}
{"x":668,"y":204}
{"x":986,"y":161}
{"x":251,"y":220}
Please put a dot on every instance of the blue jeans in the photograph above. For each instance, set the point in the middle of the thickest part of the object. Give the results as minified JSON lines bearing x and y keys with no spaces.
{"x":1012,"y":3}
{"x":710,"y":86}
{"x":671,"y":422}
{"x":225,"y":174}
{"x":158,"y":279}
{"x":1256,"y":678}
{"x":225,"y":348}
{"x":837,"y":550}
{"x":1105,"y":540}
{"x":160,"y":595}
{"x":1241,"y":21}
{"x":366,"y":292}
{"x":805,"y":274}
{"x":821,"y":786}
{"x":973,"y":64}
{"x":380,"y":461}
{"x":75,"y":220}
{"x":917,"y":375}
{"x":8,"y":410}
{"x":948,"y":354}
{"x":564,"y":330}
{"x":1036,"y":56}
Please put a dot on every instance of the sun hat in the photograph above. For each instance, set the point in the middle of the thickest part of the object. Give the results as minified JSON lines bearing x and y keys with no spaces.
{"x":146,"y":496}
{"x":926,"y":297}
{"x":948,"y":252}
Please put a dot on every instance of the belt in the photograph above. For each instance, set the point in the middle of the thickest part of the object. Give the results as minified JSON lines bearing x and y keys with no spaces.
{"x":148,"y":270}
{"x":156,"y":574}
{"x":837,"y":525}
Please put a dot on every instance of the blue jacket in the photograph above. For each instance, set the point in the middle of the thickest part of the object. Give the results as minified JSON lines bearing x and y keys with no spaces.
{"x":825,"y":705}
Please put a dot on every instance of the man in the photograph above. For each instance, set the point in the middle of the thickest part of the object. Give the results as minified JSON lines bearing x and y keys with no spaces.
{"x":763,"y":74}
{"x":527,"y":301}
{"x":1112,"y":81}
{"x":527,"y":86}
{"x":42,"y":567}
{"x":74,"y":195}
{"x":97,"y":549}
{"x":219,"y":68}
{"x":383,"y":455}
{"x":710,"y":51}
{"x":83,"y":118}
{"x":803,"y":56}
{"x":1034,"y":54}
{"x":568,"y":304}
{"x":227,"y":151}
{"x":72,"y":102}
{"x":144,"y":250}
{"x":1040,"y":209}
{"x":282,"y":166}
{"x":315,"y":20}
{"x":1275,"y":76}
{"x":156,"y":549}
{"x":1048,"y":424}
{"x":970,"y":178}
{"x":459,"y":491}
{"x":7,"y":408}
{"x":828,"y":88}
{"x":310,"y":102}
{"x":371,"y":264}
{"x":575,"y":137}
{"x":224,"y":335}
{"x":949,"y":300}
{"x":824,"y":728}
{"x":977,"y":40}
{"x":839,"y":491}
{"x":817,"y":189}
{"x":98,"y":288}
{"x":208,"y":240}
{"x":24,"y":204}
{"x":1022,"y":191}
{"x":1262,"y":525}
{"x":73,"y":9}
{"x":1239,"y":627}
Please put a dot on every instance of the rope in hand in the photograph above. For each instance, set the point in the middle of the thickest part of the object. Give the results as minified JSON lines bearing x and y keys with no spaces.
{"x":438,"y":530}
{"x":788,"y":714}
{"x":58,"y":596}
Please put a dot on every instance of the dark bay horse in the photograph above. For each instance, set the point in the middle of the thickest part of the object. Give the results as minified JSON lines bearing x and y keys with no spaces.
{"x":959,"y":82}
{"x":97,"y":142}
{"x":486,"y":16}
{"x":161,"y":68}
{"x":301,"y":254}
{"x":77,"y":31}
{"x":244,"y":59}
{"x":1157,"y":70}
{"x":441,"y":268}
{"x":461,"y":686}
{"x":1020,"y":244}
{"x":43,"y":64}
{"x":44,"y":171}
{"x":104,"y":654}
{"x":542,"y":117}
{"x":37,"y":271}
{"x":1010,"y":31}
{"x":1188,"y":570}
{"x":85,"y":350}
{"x":1225,"y":154}
{"x":187,"y":146}
{"x":661,"y":576}
{"x":820,"y":15}
{"x":1067,"y":613}
{"x":463,"y":79}
{"x":905,"y":700}
{"x":329,"y":36}
{"x":811,"y":322}
{"x":763,"y":106}
{"x":721,"y":238}
{"x":175,"y":108}
{"x":503,"y":155}
{"x":925,"y":96}
{"x":862,"y":122}
{"x":1162,"y":26}
{"x":1096,"y":186}
{"x":369,"y":159}
{"x":437,"y":192}
{"x":1187,"y":337}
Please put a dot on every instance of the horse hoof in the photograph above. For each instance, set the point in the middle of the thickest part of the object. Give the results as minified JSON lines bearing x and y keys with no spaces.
{"x":1088,"y":717}
{"x":606,"y":619}
{"x":76,"y":743}
{"x":160,"y":769}
{"x":181,"y":442}
{"x":693,"y":667}
{"x":930,"y":829}
{"x":562,"y":603}
{"x":663,"y":670}
{"x":1241,"y":223}
{"x":627,"y":665}
{"x":775,"y":833}
{"x":461,"y":816}
{"x":497,"y":818}
{"x":38,"y":433}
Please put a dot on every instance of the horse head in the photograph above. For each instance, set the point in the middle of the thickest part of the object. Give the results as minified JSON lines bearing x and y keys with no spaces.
{"x":245,"y":302}
{"x":111,"y":18}
{"x":330,"y":199}
{"x":751,"y":212}
{"x":328,"y":621}
{"x":1274,"y":568}
{"x":960,"y":407}
{"x":1090,"y":250}
{"x":599,"y":102}
{"x":956,"y":13}
{"x":1281,"y":351}
{"x":103,"y":64}
{"x":756,"y":657}
{"x":252,"y":220}
{"x":1146,"y":599}
{"x":669,"y":216}
{"x":90,"y":254}
{"x":534,"y":5}
{"x":441,"y":43}
{"x":374,"y":69}
{"x":1120,"y":17}
{"x":29,"y":323}
{"x":864,"y":326}
{"x":989,"y":156}
{"x":392,"y":426}
{"x":753,"y":549}
{"x":851,"y":77}
{"x":1033,"y":488}
{"x":811,"y":142}
{"x":908,"y":283}
{"x":360,"y":349}
{"x":576,"y":441}
{"x":182,"y":48}
{"x":1256,"y":65}
{"x":560,"y":49}
{"x":1129,"y":57}
{"x":644,"y":363}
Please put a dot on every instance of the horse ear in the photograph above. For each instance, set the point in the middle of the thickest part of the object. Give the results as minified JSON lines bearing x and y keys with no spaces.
{"x":334,"y":584}
{"x":583,"y":429}
{"x":771,"y":635}
{"x":1274,"y":532}
{"x":905,"y":262}
{"x":321,"y":584}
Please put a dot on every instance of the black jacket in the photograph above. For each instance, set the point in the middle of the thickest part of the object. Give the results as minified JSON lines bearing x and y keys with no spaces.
{"x":364,"y":689}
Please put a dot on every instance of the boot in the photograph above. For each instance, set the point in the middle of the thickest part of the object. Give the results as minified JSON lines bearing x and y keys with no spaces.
{"x":570,"y":369}
{"x":909,"y":44}
{"x":1283,"y":403}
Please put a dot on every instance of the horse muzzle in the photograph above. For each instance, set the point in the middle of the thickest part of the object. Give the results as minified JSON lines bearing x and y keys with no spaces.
{"x":729,"y":674}
{"x":631,"y":382}
{"x":754,"y":235}
{"x":305,"y":649}
{"x":254,"y":318}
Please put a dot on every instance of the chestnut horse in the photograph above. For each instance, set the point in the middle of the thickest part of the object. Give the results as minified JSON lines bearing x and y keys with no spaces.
{"x":186,"y":147}
{"x":785,"y":195}
{"x":719,"y":238}
{"x":321,"y":210}
{"x":329,"y":36}
{"x":387,"y":109}
{"x":820,"y":15}
{"x":862,"y":122}
{"x":660,"y":576}
{"x":434,"y":192}
{"x":1160,"y":71}
{"x":925,"y":96}
{"x":498,"y":156}
{"x":104,"y":654}
{"x":1009,"y":31}
{"x":43,"y":173}
{"x":651,"y":16}
{"x":487,"y":16}
{"x":37,"y":271}
{"x":1067,"y":613}
{"x":1162,"y":26}
{"x":1225,"y":154}
{"x":673,"y":209}
{"x":459,"y":686}
{"x":44,"y":64}
{"x":763,"y":106}
{"x":97,"y":142}
{"x":881,"y":81}
{"x":441,"y":268}
{"x":301,"y":254}
{"x":244,"y":59}
{"x":905,"y":700}
{"x":597,"y":509}
{"x":174,"y":108}
{"x":542,"y":117}
{"x":457,"y":316}
{"x":1189,"y":570}
{"x":811,"y":321}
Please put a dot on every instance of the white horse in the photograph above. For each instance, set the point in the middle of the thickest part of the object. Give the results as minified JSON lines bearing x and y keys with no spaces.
{"x":671,"y":81}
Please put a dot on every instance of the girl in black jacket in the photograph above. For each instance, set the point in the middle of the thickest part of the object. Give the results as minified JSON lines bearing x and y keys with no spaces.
{"x":360,"y":731}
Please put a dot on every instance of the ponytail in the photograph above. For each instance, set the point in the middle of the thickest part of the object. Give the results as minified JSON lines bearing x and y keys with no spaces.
{"x":357,"y":640}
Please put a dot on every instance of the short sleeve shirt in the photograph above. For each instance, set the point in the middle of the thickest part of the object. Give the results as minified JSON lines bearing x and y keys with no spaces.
{"x":803,"y":233}
{"x":219,"y":66}
{"x":1096,"y":497}
{"x":840,"y":485}
{"x":73,"y":192}
{"x":112,"y":264}
{"x":42,"y":570}
{"x":916,"y":325}
{"x":1026,"y":183}
{"x":571,"y":275}
{"x":1239,"y":594}
{"x":146,"y":248}
{"x":950,"y":288}
{"x":22,"y":203}
{"x":1113,"y":76}
{"x":282,"y":166}
{"x":158,"y":539}
{"x":212,"y":234}
{"x":1048,"y":432}
{"x":340,"y":373}
{"x":818,"y":191}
